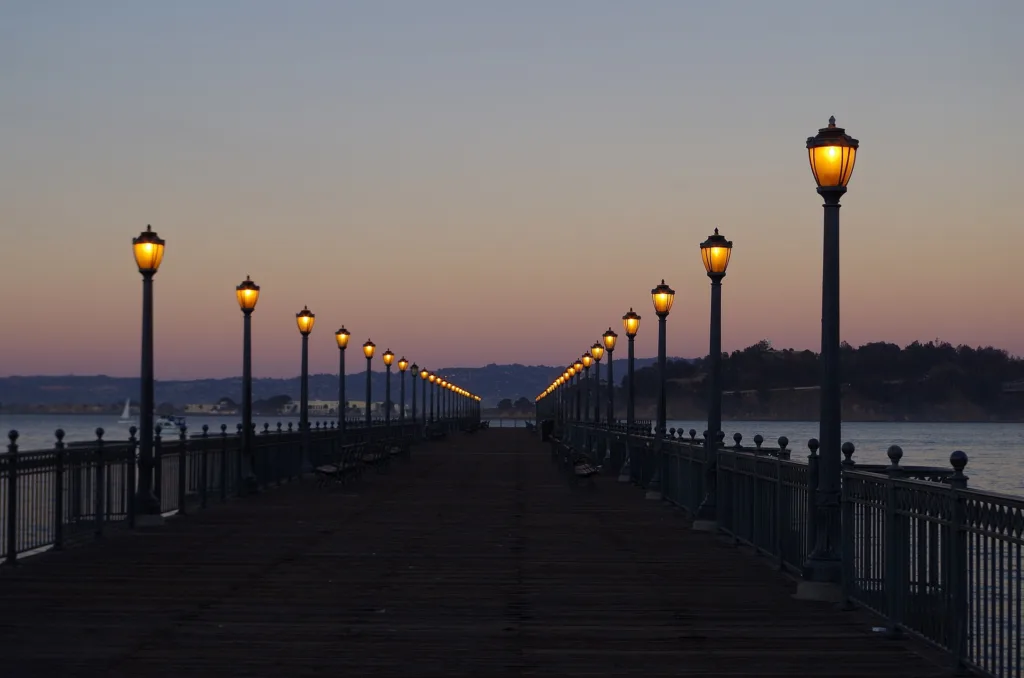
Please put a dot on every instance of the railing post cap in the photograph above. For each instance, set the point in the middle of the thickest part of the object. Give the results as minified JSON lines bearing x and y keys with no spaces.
{"x":848,"y":450}
{"x":158,"y":429}
{"x":737,"y":437}
{"x":12,"y":435}
{"x":693,"y":433}
{"x":759,"y":439}
{"x":783,"y":442}
{"x":59,"y":433}
{"x":958,"y":460}
{"x":132,"y":430}
{"x":813,"y":446}
{"x":895,"y":453}
{"x":206,"y":427}
{"x":223,"y":428}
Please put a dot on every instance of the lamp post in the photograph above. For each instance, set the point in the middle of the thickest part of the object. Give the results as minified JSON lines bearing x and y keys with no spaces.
{"x":631,"y":324}
{"x":578,"y":371}
{"x":432,"y":379}
{"x":342,"y":336}
{"x":368,"y":348}
{"x":597,"y":351}
{"x":715,"y":252}
{"x":423,"y":393}
{"x":305,"y":320}
{"x":148,"y":249}
{"x":415,"y":372}
{"x":248,"y":293}
{"x":609,"y":338}
{"x":663,"y":297}
{"x":403,"y":365}
{"x":388,"y":358}
{"x":832,"y":154}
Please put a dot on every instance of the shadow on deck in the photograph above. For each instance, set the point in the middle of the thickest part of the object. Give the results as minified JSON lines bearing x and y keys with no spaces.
{"x":475,"y":558}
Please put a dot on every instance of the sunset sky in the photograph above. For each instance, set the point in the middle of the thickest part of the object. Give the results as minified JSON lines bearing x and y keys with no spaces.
{"x":474,"y":181}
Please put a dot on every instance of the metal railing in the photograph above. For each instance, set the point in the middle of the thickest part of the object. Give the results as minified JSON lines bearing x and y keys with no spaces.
{"x":74,"y":491}
{"x":932,"y":557}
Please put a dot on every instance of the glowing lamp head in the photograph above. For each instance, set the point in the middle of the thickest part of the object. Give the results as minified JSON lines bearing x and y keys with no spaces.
{"x":342,"y":336}
{"x":578,"y":366}
{"x":588,"y":360}
{"x":609,"y":338}
{"x":414,"y":368}
{"x":663,"y":296}
{"x":388,"y":357}
{"x":433,"y":378}
{"x":424,"y":374}
{"x":305,"y":319}
{"x":631,"y":323}
{"x":597,"y":351}
{"x":248,"y":294}
{"x":149,"y":251}
{"x":368,"y":348}
{"x":715,"y":252}
{"x":832,"y":153}
{"x":403,"y":364}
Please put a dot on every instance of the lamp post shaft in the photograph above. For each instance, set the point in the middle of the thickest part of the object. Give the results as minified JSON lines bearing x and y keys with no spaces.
{"x":597,"y":393}
{"x":369,"y":395}
{"x":248,"y":453}
{"x":342,"y":405}
{"x":707,"y":510}
{"x":431,"y":404}
{"x":147,"y":503}
{"x":823,"y":564}
{"x":304,"y":405}
{"x":387,"y":396}
{"x":662,"y":368}
{"x":630,"y":398}
{"x":611,"y":392}
{"x":579,"y":395}
{"x":401,"y":398}
{"x":414,"y":377}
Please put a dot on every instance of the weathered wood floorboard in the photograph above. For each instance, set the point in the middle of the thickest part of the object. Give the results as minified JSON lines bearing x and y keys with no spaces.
{"x":475,"y":558}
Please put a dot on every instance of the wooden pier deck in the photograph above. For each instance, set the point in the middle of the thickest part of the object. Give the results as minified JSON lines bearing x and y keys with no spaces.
{"x":473,"y":558}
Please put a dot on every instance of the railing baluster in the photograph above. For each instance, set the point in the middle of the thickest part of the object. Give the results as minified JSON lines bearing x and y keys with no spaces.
{"x":58,"y":491}
{"x":183,"y":457}
{"x":12,"y":498}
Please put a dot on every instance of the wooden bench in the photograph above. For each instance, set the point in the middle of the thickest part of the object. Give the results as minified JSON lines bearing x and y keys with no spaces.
{"x":342,"y":470}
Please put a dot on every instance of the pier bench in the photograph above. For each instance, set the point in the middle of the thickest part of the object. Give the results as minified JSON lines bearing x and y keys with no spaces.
{"x":343,"y":469}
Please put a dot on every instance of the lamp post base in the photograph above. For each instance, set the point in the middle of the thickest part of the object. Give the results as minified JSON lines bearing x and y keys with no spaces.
{"x":149,"y":520}
{"x":147,"y":510}
{"x":703,"y":525}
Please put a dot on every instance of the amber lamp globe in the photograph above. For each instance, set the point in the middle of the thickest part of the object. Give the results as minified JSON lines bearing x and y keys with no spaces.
{"x":588,"y":360}
{"x":609,"y":338}
{"x":663,"y":296}
{"x":148,"y":249}
{"x":424,"y":374}
{"x":832,"y":153}
{"x":305,"y":319}
{"x":597,"y":351}
{"x":631,"y":323}
{"x":578,"y":366}
{"x":368,"y":348}
{"x":248,"y":294}
{"x":433,"y":378}
{"x":715,"y":252}
{"x":342,"y":337}
{"x":388,"y":357}
{"x":403,"y":364}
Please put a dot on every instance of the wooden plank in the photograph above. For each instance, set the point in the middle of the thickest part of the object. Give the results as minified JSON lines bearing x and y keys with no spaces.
{"x":476,"y":558}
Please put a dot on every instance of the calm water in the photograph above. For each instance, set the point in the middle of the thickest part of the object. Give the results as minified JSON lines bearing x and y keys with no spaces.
{"x":996,"y":451}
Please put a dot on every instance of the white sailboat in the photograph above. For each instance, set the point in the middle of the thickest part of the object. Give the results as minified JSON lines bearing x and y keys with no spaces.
{"x":126,"y":415}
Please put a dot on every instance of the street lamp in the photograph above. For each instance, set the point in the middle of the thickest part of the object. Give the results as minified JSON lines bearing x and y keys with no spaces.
{"x":715,"y":252}
{"x":368,"y":348}
{"x":663,"y":297}
{"x":342,"y":336}
{"x":305,"y":320}
{"x":432,"y":378}
{"x":415,"y":369}
{"x":424,"y":374}
{"x":148,"y":249}
{"x":247,"y":293}
{"x":832,"y":154}
{"x":597,"y":350}
{"x":577,"y":368}
{"x":388,"y":358}
{"x":403,"y":365}
{"x":631,"y":325}
{"x":609,"y":338}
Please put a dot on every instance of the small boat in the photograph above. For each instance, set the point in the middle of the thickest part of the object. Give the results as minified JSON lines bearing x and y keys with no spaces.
{"x":126,"y":415}
{"x":169,"y":422}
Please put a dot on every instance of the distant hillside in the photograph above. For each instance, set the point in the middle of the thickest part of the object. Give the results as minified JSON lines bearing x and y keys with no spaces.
{"x":492,"y":382}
